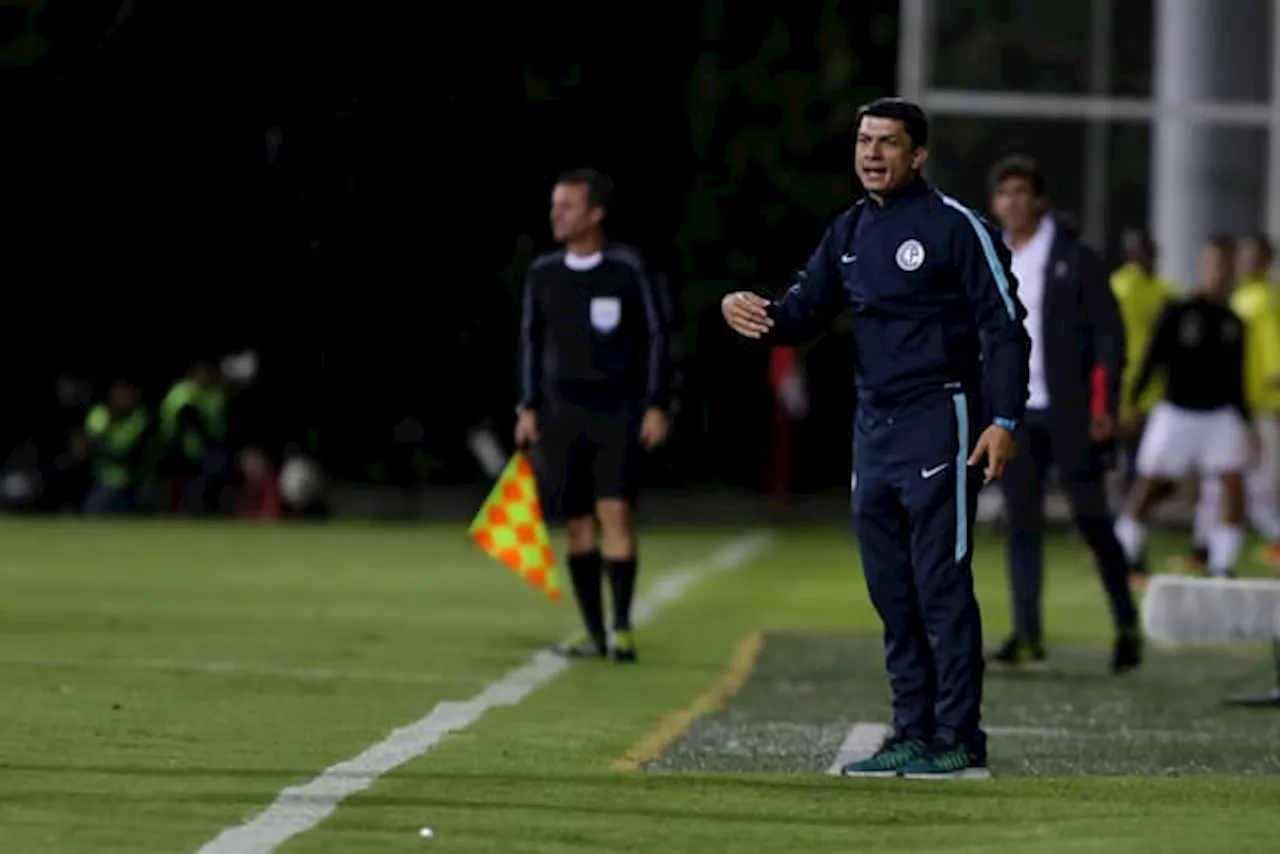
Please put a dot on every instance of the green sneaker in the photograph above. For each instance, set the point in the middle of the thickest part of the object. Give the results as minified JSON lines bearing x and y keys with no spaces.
{"x":624,"y":647}
{"x":896,"y":752}
{"x":946,"y":761}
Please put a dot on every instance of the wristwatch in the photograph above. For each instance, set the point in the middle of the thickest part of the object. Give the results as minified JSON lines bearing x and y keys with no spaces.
{"x":1007,"y":423}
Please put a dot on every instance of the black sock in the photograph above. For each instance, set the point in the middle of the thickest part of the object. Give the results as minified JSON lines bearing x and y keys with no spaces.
{"x":622,"y":582}
{"x":584,"y":572}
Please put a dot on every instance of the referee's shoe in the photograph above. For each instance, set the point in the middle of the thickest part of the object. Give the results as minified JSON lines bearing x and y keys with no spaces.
{"x":582,"y":645}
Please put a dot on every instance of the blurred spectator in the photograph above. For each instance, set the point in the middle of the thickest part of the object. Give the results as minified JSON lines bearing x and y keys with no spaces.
{"x":1142,"y":295}
{"x":193,"y":434}
{"x":116,"y":437}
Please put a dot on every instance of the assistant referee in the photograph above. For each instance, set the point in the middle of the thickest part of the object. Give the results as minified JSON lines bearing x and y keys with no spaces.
{"x":595,"y":380}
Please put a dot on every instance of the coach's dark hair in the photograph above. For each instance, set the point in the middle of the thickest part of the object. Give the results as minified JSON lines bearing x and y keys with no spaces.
{"x":1264,"y":244}
{"x":1017,"y":166}
{"x":599,"y":185}
{"x":914,"y":121}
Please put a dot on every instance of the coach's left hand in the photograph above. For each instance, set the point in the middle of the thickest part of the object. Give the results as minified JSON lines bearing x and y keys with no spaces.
{"x":654,"y":427}
{"x":996,"y":445}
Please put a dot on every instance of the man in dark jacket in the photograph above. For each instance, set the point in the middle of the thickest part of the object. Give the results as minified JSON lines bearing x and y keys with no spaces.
{"x":1077,"y":361}
{"x":936,"y":321}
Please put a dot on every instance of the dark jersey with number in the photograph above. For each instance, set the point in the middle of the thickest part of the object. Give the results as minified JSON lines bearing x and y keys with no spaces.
{"x":592,"y":331}
{"x":1199,"y":344}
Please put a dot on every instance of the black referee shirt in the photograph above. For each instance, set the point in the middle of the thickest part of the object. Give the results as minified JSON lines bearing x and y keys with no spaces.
{"x":592,"y":331}
{"x":1200,"y":346}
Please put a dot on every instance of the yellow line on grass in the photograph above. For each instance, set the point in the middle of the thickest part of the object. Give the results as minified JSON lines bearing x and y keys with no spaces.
{"x":676,"y":723}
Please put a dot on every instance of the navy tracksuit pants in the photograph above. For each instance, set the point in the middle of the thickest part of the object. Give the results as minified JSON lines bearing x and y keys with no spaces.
{"x":915,"y":502}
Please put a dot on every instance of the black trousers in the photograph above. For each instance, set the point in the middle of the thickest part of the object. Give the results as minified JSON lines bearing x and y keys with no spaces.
{"x":1023,"y":485}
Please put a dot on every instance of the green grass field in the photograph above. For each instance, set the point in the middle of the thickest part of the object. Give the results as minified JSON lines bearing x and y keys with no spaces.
{"x":162,"y":682}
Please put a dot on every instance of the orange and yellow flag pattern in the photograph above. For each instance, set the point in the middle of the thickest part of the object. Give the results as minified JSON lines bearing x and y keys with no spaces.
{"x":511,"y":530}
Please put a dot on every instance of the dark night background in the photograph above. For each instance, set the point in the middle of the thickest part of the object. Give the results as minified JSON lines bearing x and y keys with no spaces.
{"x":375,"y":265}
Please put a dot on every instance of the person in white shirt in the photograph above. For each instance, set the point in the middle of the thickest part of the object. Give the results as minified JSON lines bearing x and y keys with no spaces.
{"x":1077,"y":358}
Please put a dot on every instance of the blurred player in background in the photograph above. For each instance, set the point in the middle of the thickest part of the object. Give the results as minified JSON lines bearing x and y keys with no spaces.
{"x":1257,"y":303}
{"x":1142,"y":296}
{"x":595,"y":383}
{"x":1202,"y":423}
{"x":1076,"y":363}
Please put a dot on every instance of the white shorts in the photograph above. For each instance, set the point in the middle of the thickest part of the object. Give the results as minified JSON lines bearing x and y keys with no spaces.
{"x":1177,"y":441}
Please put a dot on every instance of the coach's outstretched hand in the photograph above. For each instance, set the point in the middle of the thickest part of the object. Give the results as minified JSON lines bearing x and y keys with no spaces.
{"x":996,"y":445}
{"x":745,"y":313}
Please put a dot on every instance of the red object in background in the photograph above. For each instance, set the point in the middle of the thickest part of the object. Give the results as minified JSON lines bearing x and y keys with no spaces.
{"x":260,"y":492}
{"x":259,"y":498}
{"x":782,"y":366}
{"x":1098,"y":391}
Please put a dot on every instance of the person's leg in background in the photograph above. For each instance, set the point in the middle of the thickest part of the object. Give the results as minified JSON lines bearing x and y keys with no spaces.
{"x":1205,"y":519}
{"x":1259,"y":504}
{"x":586,"y":573}
{"x":1262,"y":487}
{"x":1092,"y":517}
{"x":1129,"y":445}
{"x":1023,"y":488}
{"x":616,"y":476}
{"x":1223,"y":453}
{"x":1168,"y":452}
{"x":621,"y":568}
{"x":1227,"y":539}
{"x":570,"y":496}
{"x":215,"y":476}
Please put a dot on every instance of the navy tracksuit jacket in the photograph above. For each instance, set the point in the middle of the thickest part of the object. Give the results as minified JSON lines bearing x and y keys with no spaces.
{"x":936,"y":323}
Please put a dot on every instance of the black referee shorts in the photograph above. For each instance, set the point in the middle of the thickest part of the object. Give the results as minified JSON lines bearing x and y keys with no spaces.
{"x":589,"y":453}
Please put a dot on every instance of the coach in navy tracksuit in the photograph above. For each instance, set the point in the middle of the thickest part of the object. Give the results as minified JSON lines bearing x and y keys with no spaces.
{"x":934,"y":307}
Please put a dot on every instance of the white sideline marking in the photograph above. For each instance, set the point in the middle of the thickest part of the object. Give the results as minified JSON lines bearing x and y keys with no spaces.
{"x":235,"y":668}
{"x":862,"y":741}
{"x":299,"y":808}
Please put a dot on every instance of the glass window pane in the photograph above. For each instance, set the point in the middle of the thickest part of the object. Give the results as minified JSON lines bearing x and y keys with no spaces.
{"x":1233,"y":49}
{"x":962,"y":150}
{"x":1011,"y":45}
{"x":1132,"y":54}
{"x":1128,"y":183}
